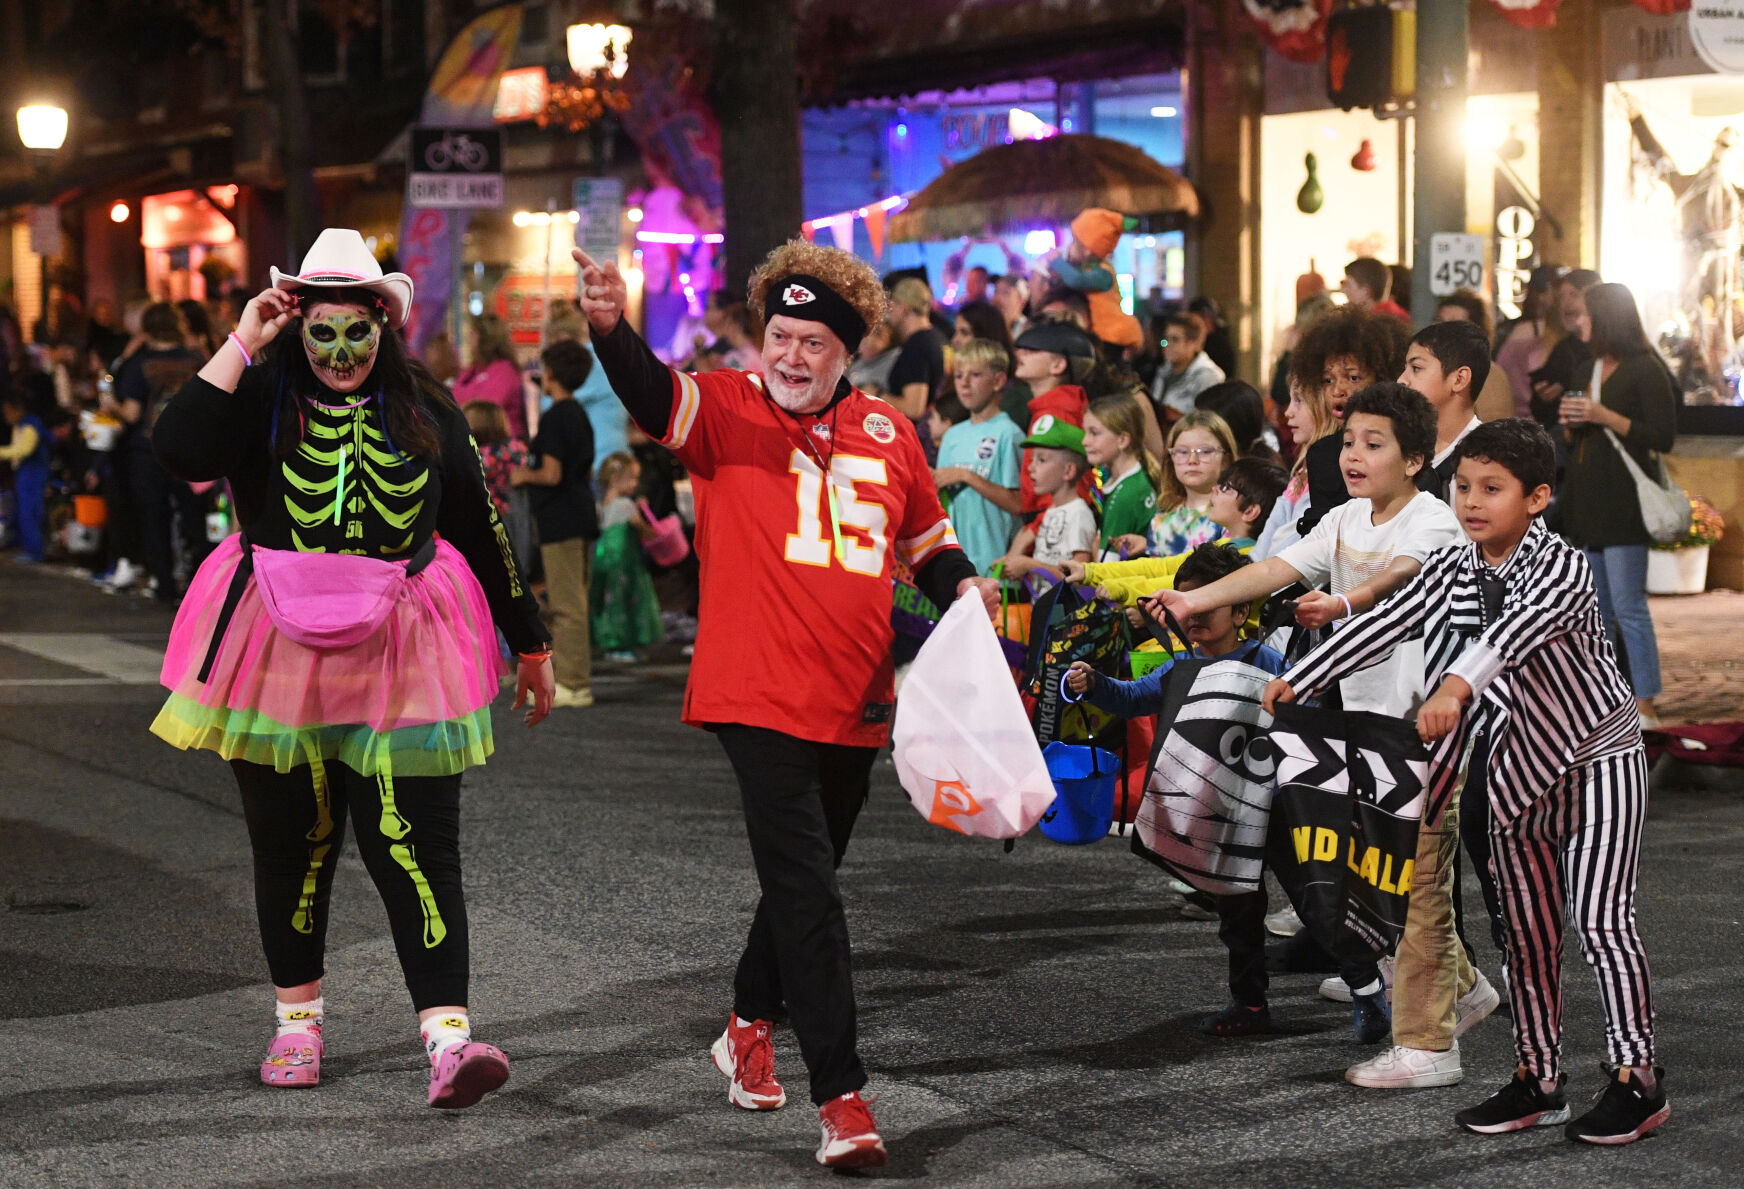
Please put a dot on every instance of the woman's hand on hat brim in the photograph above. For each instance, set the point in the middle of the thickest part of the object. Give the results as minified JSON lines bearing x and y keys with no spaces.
{"x":264,"y":316}
{"x":600,"y":291}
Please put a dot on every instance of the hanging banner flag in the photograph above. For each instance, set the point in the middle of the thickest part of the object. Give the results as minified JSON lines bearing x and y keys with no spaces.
{"x":875,"y":216}
{"x":841,"y":230}
{"x":462,"y":94}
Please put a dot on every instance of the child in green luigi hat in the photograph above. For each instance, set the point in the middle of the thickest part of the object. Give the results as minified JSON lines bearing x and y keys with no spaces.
{"x":1067,"y":530}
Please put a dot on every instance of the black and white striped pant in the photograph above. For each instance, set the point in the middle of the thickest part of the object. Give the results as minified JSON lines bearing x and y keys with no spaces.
{"x":1579,"y":846}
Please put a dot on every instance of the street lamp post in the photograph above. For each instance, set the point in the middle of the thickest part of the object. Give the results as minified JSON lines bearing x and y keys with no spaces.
{"x":42,"y":127}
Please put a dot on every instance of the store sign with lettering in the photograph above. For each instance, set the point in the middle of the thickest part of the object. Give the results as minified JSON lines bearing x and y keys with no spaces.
{"x":1456,"y":261}
{"x":1515,"y":253}
{"x":1717,"y":32}
{"x":975,"y":130}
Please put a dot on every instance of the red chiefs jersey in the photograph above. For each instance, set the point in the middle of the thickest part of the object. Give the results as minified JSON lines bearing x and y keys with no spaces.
{"x":792,"y":634}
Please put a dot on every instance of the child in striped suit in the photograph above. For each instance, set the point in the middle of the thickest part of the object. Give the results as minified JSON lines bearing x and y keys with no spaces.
{"x":1514,"y":644}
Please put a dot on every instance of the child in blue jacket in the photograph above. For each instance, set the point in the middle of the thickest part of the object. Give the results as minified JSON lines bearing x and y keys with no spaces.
{"x":1215,"y":633}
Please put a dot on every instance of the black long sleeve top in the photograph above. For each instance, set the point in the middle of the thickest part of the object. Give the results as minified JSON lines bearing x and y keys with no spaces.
{"x":383,"y":503}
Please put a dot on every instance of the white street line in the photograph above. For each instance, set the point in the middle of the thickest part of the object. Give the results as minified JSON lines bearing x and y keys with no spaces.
{"x":117,"y":660}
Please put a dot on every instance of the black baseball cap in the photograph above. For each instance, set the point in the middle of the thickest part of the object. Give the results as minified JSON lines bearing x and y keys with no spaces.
{"x":1061,"y":338}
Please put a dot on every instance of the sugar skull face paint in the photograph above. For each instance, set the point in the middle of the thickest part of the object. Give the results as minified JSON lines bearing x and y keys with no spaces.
{"x":341,"y":342}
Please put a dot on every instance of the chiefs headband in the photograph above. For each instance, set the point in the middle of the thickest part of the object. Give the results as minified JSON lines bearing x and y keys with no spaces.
{"x":800,"y":296}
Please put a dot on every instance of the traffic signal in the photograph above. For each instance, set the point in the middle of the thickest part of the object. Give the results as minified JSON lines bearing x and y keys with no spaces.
{"x":1371,"y":56}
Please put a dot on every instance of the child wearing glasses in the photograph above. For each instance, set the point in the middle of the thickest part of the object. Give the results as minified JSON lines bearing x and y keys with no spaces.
{"x":1200,"y":446}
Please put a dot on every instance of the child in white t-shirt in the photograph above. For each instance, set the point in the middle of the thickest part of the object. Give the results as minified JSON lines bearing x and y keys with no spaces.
{"x":1067,"y":530}
{"x":1363,"y":551}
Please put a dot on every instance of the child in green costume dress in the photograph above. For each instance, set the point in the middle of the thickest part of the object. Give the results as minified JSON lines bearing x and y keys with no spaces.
{"x":626,"y":612}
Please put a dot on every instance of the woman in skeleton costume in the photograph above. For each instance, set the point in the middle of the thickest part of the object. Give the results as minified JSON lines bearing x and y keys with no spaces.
{"x":339,"y":652}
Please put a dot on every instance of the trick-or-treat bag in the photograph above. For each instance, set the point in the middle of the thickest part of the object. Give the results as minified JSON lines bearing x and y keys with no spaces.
{"x":1208,"y":799}
{"x":964,"y":749}
{"x":1068,"y":626}
{"x":1344,"y":824}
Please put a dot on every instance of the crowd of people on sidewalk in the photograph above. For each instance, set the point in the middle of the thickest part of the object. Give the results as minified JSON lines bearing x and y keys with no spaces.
{"x":1436,"y":527}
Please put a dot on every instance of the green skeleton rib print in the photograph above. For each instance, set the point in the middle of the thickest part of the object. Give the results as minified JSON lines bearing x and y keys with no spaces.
{"x":348,"y":490}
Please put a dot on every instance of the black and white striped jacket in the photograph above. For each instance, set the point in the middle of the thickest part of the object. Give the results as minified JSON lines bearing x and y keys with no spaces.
{"x":1544,"y":679}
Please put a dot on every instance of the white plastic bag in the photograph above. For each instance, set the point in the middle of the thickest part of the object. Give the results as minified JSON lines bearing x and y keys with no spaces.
{"x":964,"y":749}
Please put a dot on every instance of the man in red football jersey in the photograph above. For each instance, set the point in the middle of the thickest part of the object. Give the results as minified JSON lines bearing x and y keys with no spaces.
{"x":806,"y":492}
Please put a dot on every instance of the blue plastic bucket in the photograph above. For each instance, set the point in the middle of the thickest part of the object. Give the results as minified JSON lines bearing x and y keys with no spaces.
{"x":1085,"y":779}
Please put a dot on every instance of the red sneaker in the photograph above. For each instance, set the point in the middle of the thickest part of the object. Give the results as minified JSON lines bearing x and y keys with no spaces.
{"x":745,"y":1055}
{"x":851,"y":1138}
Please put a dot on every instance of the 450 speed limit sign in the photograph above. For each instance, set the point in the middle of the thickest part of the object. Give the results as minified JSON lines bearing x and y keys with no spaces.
{"x":1456,"y":261}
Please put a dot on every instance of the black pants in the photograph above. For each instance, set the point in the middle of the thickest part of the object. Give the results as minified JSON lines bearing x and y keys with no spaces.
{"x":158,"y":500}
{"x":1474,"y":832}
{"x":1241,"y":926}
{"x":408,"y":831}
{"x":800,"y":799}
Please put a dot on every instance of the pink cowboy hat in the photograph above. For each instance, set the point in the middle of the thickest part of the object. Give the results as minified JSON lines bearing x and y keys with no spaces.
{"x":340,"y":259}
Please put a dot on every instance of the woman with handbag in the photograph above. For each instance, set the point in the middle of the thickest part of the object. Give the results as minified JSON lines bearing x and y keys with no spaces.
{"x":1626,"y":416}
{"x":340,"y":652}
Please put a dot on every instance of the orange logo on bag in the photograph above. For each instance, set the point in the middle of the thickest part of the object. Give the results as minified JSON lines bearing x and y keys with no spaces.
{"x":952,"y":800}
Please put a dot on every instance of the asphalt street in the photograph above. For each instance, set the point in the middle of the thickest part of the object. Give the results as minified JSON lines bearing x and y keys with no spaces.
{"x":1028,"y":1018}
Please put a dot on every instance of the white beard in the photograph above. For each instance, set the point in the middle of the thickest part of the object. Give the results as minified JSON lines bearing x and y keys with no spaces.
{"x":800,"y":400}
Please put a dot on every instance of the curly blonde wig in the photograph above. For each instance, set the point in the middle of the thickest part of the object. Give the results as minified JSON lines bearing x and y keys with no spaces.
{"x":842,"y":271}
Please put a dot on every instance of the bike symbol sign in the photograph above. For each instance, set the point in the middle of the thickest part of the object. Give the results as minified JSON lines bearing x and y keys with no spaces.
{"x":456,"y":167}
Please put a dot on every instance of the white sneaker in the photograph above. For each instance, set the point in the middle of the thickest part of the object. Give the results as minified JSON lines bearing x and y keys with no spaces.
{"x":123,"y":576}
{"x":1474,"y":1005}
{"x":1338,"y":991}
{"x":1285,"y":923}
{"x":1400,"y":1068}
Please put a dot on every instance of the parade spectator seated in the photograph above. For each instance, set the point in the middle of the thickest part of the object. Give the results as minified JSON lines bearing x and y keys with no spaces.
{"x":979,"y":458}
{"x":1186,"y":371}
{"x":1212,"y":633}
{"x":920,"y":365}
{"x":1368,"y":285}
{"x":1067,"y":531}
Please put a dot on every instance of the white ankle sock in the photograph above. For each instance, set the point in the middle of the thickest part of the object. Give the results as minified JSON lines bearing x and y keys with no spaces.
{"x":740,"y":1022}
{"x":299,"y":1017}
{"x":443,"y":1032}
{"x":1373,"y":988}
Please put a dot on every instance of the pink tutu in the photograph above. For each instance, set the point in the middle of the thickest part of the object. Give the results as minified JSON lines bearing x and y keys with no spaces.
{"x":413,"y":698}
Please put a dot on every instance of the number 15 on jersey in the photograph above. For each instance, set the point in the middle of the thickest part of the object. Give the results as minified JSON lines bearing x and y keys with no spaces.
{"x":812,"y":543}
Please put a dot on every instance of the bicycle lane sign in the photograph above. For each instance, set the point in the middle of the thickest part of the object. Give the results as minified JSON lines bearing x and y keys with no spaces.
{"x":455,"y":168}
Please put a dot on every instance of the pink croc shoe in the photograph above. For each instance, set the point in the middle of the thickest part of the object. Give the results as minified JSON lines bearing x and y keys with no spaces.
{"x":293,"y":1059}
{"x":465,"y":1073}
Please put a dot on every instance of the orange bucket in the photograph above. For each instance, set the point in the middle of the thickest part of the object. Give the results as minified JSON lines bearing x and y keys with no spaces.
{"x":90,"y":510}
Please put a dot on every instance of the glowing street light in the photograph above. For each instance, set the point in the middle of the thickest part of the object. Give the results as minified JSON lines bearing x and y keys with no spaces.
{"x":42,"y":127}
{"x":599,"y":49}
